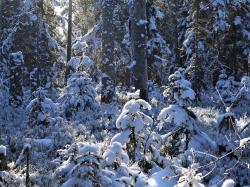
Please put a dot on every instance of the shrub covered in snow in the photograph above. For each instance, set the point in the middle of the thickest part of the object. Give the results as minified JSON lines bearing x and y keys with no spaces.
{"x":83,"y":165}
{"x":227,"y":87}
{"x":179,"y":90}
{"x":78,"y":99}
{"x":41,"y":109}
{"x":177,"y":115}
{"x":79,"y":62}
{"x":115,"y":154}
{"x":242,"y":98}
{"x":190,"y":178}
{"x":132,"y":121}
{"x":183,"y":120}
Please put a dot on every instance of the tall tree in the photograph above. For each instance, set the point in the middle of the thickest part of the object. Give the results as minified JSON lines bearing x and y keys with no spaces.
{"x":195,"y":44}
{"x":108,"y":68}
{"x":139,"y":45}
{"x":69,"y":40}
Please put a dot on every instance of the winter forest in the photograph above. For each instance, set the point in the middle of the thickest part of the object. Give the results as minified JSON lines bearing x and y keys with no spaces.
{"x":124,"y":93}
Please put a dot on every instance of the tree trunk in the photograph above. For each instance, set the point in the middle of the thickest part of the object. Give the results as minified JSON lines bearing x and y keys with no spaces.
{"x":3,"y":162}
{"x":108,"y":68}
{"x":198,"y":73}
{"x":139,"y":46}
{"x":69,"y":41}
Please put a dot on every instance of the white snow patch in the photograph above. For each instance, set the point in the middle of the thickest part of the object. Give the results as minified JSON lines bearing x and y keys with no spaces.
{"x":3,"y":150}
{"x":228,"y":183}
{"x":157,"y":179}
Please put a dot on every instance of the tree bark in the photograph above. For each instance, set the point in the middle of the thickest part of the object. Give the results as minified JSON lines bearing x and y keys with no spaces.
{"x":139,"y":46}
{"x":108,"y":68}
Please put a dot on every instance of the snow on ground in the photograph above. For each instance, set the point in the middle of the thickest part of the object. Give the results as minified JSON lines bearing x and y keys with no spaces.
{"x":157,"y":179}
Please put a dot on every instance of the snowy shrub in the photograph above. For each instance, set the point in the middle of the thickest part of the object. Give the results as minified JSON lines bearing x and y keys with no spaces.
{"x":78,"y":99}
{"x":41,"y":110}
{"x":239,"y":97}
{"x":227,"y":88}
{"x":177,"y":115}
{"x":179,"y":90}
{"x":132,"y":121}
{"x":190,"y":177}
{"x":182,"y":127}
{"x":79,"y":62}
{"x":115,"y":154}
{"x":79,"y":48}
{"x":10,"y":179}
{"x":83,"y":167}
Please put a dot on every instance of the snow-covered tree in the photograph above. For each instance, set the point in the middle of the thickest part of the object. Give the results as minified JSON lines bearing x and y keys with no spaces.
{"x":83,"y":167}
{"x":16,"y":67}
{"x":133,"y":123}
{"x":41,"y":109}
{"x":179,"y":90}
{"x":78,"y":99}
{"x":181,"y":120}
{"x":158,"y":51}
{"x":115,"y":154}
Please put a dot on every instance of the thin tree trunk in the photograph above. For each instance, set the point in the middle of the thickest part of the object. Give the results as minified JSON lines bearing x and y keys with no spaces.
{"x":3,"y":162}
{"x":69,"y":41}
{"x":139,"y":46}
{"x":27,"y":180}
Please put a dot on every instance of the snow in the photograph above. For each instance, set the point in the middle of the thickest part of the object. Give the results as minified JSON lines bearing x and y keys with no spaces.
{"x":157,"y":179}
{"x":152,"y":24}
{"x":44,"y":142}
{"x":115,"y":153}
{"x":228,"y":183}
{"x":87,"y":62}
{"x":131,"y":115}
{"x":244,"y":141}
{"x":41,"y":117}
{"x":74,"y":62}
{"x":237,"y":20}
{"x":17,"y":58}
{"x":202,"y":142}
{"x":141,"y":22}
{"x":121,"y":137}
{"x":159,"y":14}
{"x":245,"y":80}
{"x":190,"y":178}
{"x":133,"y":63}
{"x":134,"y":95}
{"x":175,"y":114}
{"x":89,"y":148}
{"x":2,"y":150}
